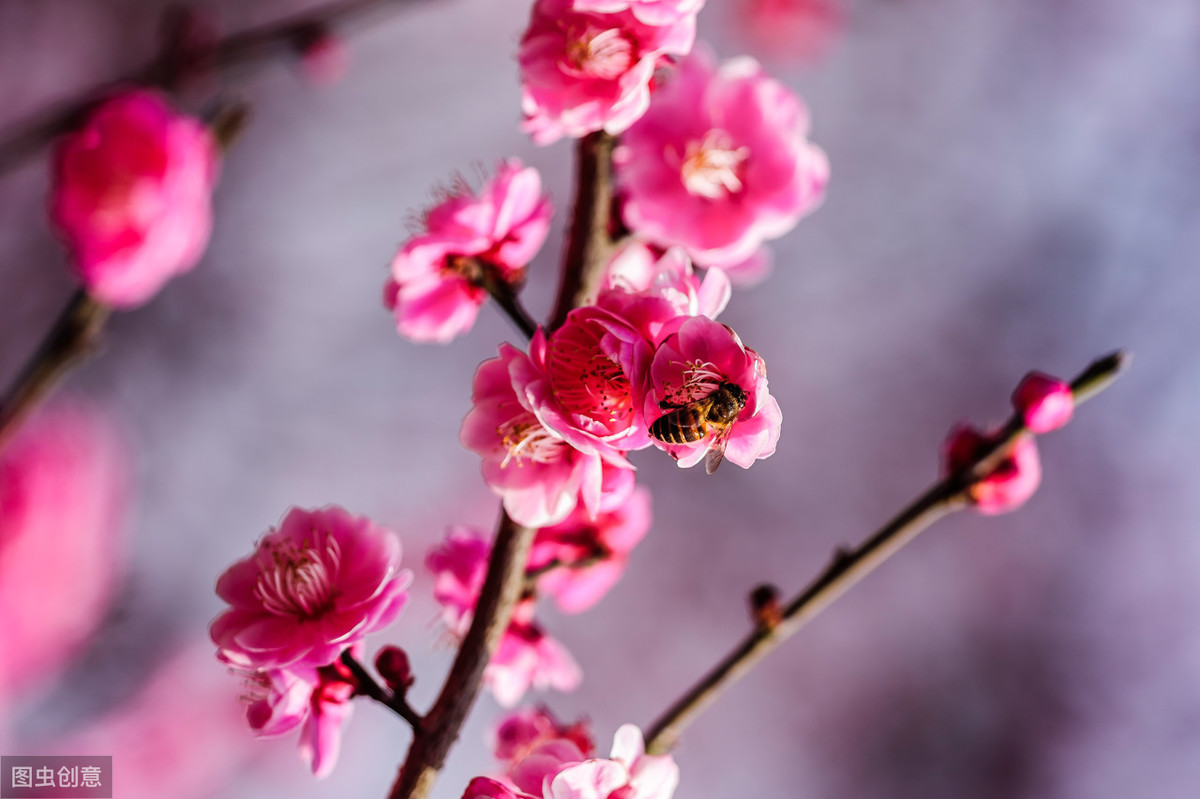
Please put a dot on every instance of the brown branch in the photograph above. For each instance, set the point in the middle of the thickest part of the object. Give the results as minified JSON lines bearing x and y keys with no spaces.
{"x":850,"y":566}
{"x":488,"y":277}
{"x":368,"y":687}
{"x":589,"y":243}
{"x":493,"y":612}
{"x":255,"y":46}
{"x":72,"y":340}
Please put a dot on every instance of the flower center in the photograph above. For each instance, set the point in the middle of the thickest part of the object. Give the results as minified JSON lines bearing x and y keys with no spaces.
{"x":700,"y":378}
{"x":601,"y":54}
{"x":710,"y":166}
{"x":526,"y":439}
{"x":586,"y":379}
{"x":299,"y":580}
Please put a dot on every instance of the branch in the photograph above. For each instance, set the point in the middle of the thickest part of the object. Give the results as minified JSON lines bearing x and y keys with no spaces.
{"x":848,"y":567}
{"x":488,"y":277}
{"x":589,"y":243}
{"x":73,"y":339}
{"x":255,"y":46}
{"x":368,"y":687}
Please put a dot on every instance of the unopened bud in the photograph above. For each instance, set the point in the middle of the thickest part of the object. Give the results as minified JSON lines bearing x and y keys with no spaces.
{"x":393,"y":666}
{"x":765,"y":607}
{"x":1044,"y":402}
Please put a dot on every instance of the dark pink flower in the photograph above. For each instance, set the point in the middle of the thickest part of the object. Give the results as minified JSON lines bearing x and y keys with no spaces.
{"x":650,"y":289}
{"x":599,"y":548}
{"x":317,"y":699}
{"x":584,"y":71}
{"x":132,"y":196}
{"x":62,"y":503}
{"x":459,"y":566}
{"x":1012,"y":483}
{"x":720,"y":163}
{"x":485,"y":788}
{"x":527,"y":658}
{"x":522,"y":731}
{"x":535,"y":470}
{"x":693,"y":363}
{"x":320,"y":582}
{"x":1044,"y":402}
{"x":435,"y":289}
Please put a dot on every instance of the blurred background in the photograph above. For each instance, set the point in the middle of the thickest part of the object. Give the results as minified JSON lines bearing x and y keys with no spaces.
{"x":1015,"y":185}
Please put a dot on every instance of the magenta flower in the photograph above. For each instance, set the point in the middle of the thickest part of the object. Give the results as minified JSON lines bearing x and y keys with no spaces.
{"x":459,"y":566}
{"x":527,"y":658}
{"x":651,"y":12}
{"x":629,"y":773}
{"x":584,"y":71}
{"x":1044,"y":402}
{"x":650,"y":290}
{"x":320,"y":582}
{"x":693,"y":363}
{"x":599,"y":549}
{"x":316,"y":697}
{"x":131,"y":196}
{"x":720,"y":163}
{"x":62,"y":502}
{"x":486,"y":788}
{"x":435,"y":289}
{"x":535,"y":470}
{"x":1012,"y":483}
{"x":521,"y":732}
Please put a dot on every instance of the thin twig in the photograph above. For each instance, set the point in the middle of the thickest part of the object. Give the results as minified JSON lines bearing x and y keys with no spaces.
{"x":589,"y":243}
{"x":848,"y":567}
{"x":73,"y":339}
{"x":255,"y":46}
{"x":504,"y":293}
{"x":368,"y":687}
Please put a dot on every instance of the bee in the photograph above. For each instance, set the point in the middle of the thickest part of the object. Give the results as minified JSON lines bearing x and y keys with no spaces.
{"x":692,"y":421}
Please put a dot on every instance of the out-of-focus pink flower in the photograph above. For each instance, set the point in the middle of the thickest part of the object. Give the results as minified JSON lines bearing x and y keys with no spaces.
{"x":1044,"y":402}
{"x":324,"y":59}
{"x":720,"y":163}
{"x":316,"y":697}
{"x":132,"y":196}
{"x":485,"y":788}
{"x":524,"y":730}
{"x":537,"y":473}
{"x":693,"y":363}
{"x":459,"y":566}
{"x":629,"y":773}
{"x":435,"y":289}
{"x":584,"y":71}
{"x":62,"y":500}
{"x":651,"y":12}
{"x":320,"y":582}
{"x":600,"y":546}
{"x":1012,"y":483}
{"x":650,"y":289}
{"x":792,"y":30}
{"x":527,"y":658}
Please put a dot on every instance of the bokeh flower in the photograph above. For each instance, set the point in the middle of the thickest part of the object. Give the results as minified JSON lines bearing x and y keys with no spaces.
{"x":528,"y":659}
{"x":1010,"y":484}
{"x":1045,"y":403}
{"x":131,"y":196}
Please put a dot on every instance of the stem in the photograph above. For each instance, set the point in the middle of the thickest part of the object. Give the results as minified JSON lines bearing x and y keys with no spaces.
{"x":368,"y":687}
{"x":501,"y":590}
{"x":848,"y":567}
{"x":589,"y":243}
{"x":488,"y":277}
{"x":254,"y":46}
{"x":72,"y":340}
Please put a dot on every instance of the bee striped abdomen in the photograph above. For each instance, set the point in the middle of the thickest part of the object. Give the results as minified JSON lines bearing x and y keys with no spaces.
{"x":681,"y":426}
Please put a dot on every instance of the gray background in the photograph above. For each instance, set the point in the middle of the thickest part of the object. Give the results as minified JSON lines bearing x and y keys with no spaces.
{"x":1015,"y":185}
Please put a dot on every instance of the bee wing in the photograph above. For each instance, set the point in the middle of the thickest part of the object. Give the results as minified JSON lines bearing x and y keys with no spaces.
{"x":716,"y":450}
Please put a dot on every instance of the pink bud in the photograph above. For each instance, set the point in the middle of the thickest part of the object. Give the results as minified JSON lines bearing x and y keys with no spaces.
{"x":1009,"y":485}
{"x":1044,"y":402}
{"x":392,"y":664}
{"x":323,"y":56}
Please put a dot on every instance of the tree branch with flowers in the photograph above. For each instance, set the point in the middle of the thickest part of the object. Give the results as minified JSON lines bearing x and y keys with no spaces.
{"x":686,"y":168}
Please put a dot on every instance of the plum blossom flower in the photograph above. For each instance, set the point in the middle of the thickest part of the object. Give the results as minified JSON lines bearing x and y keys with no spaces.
{"x":720,"y":163}
{"x":585,"y":70}
{"x":651,"y":12}
{"x":436,"y":285}
{"x":793,"y":30}
{"x":320,"y":582}
{"x":487,"y":788}
{"x":521,"y":732}
{"x":1010,"y":485}
{"x":1044,"y":402}
{"x":131,"y":196}
{"x":459,"y":566}
{"x":62,"y":503}
{"x":650,"y":288}
{"x":629,"y":773}
{"x":599,"y":549}
{"x":316,"y":699}
{"x":536,"y":471}
{"x":694,"y":362}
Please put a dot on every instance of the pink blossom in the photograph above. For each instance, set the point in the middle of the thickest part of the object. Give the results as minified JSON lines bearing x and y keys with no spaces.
{"x":1012,"y":483}
{"x":435,"y":289}
{"x":629,"y":773}
{"x":317,"y":699}
{"x":535,"y":470}
{"x":132,"y":196}
{"x":651,"y":12}
{"x":485,"y":788}
{"x":522,"y":731}
{"x":650,"y":288}
{"x":696,"y":361}
{"x":320,"y":582}
{"x":527,"y":658}
{"x":602,"y":546}
{"x":720,"y":163}
{"x":1044,"y":402}
{"x":459,"y":566}
{"x":584,"y":71}
{"x":62,"y":502}
{"x":793,"y":30}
